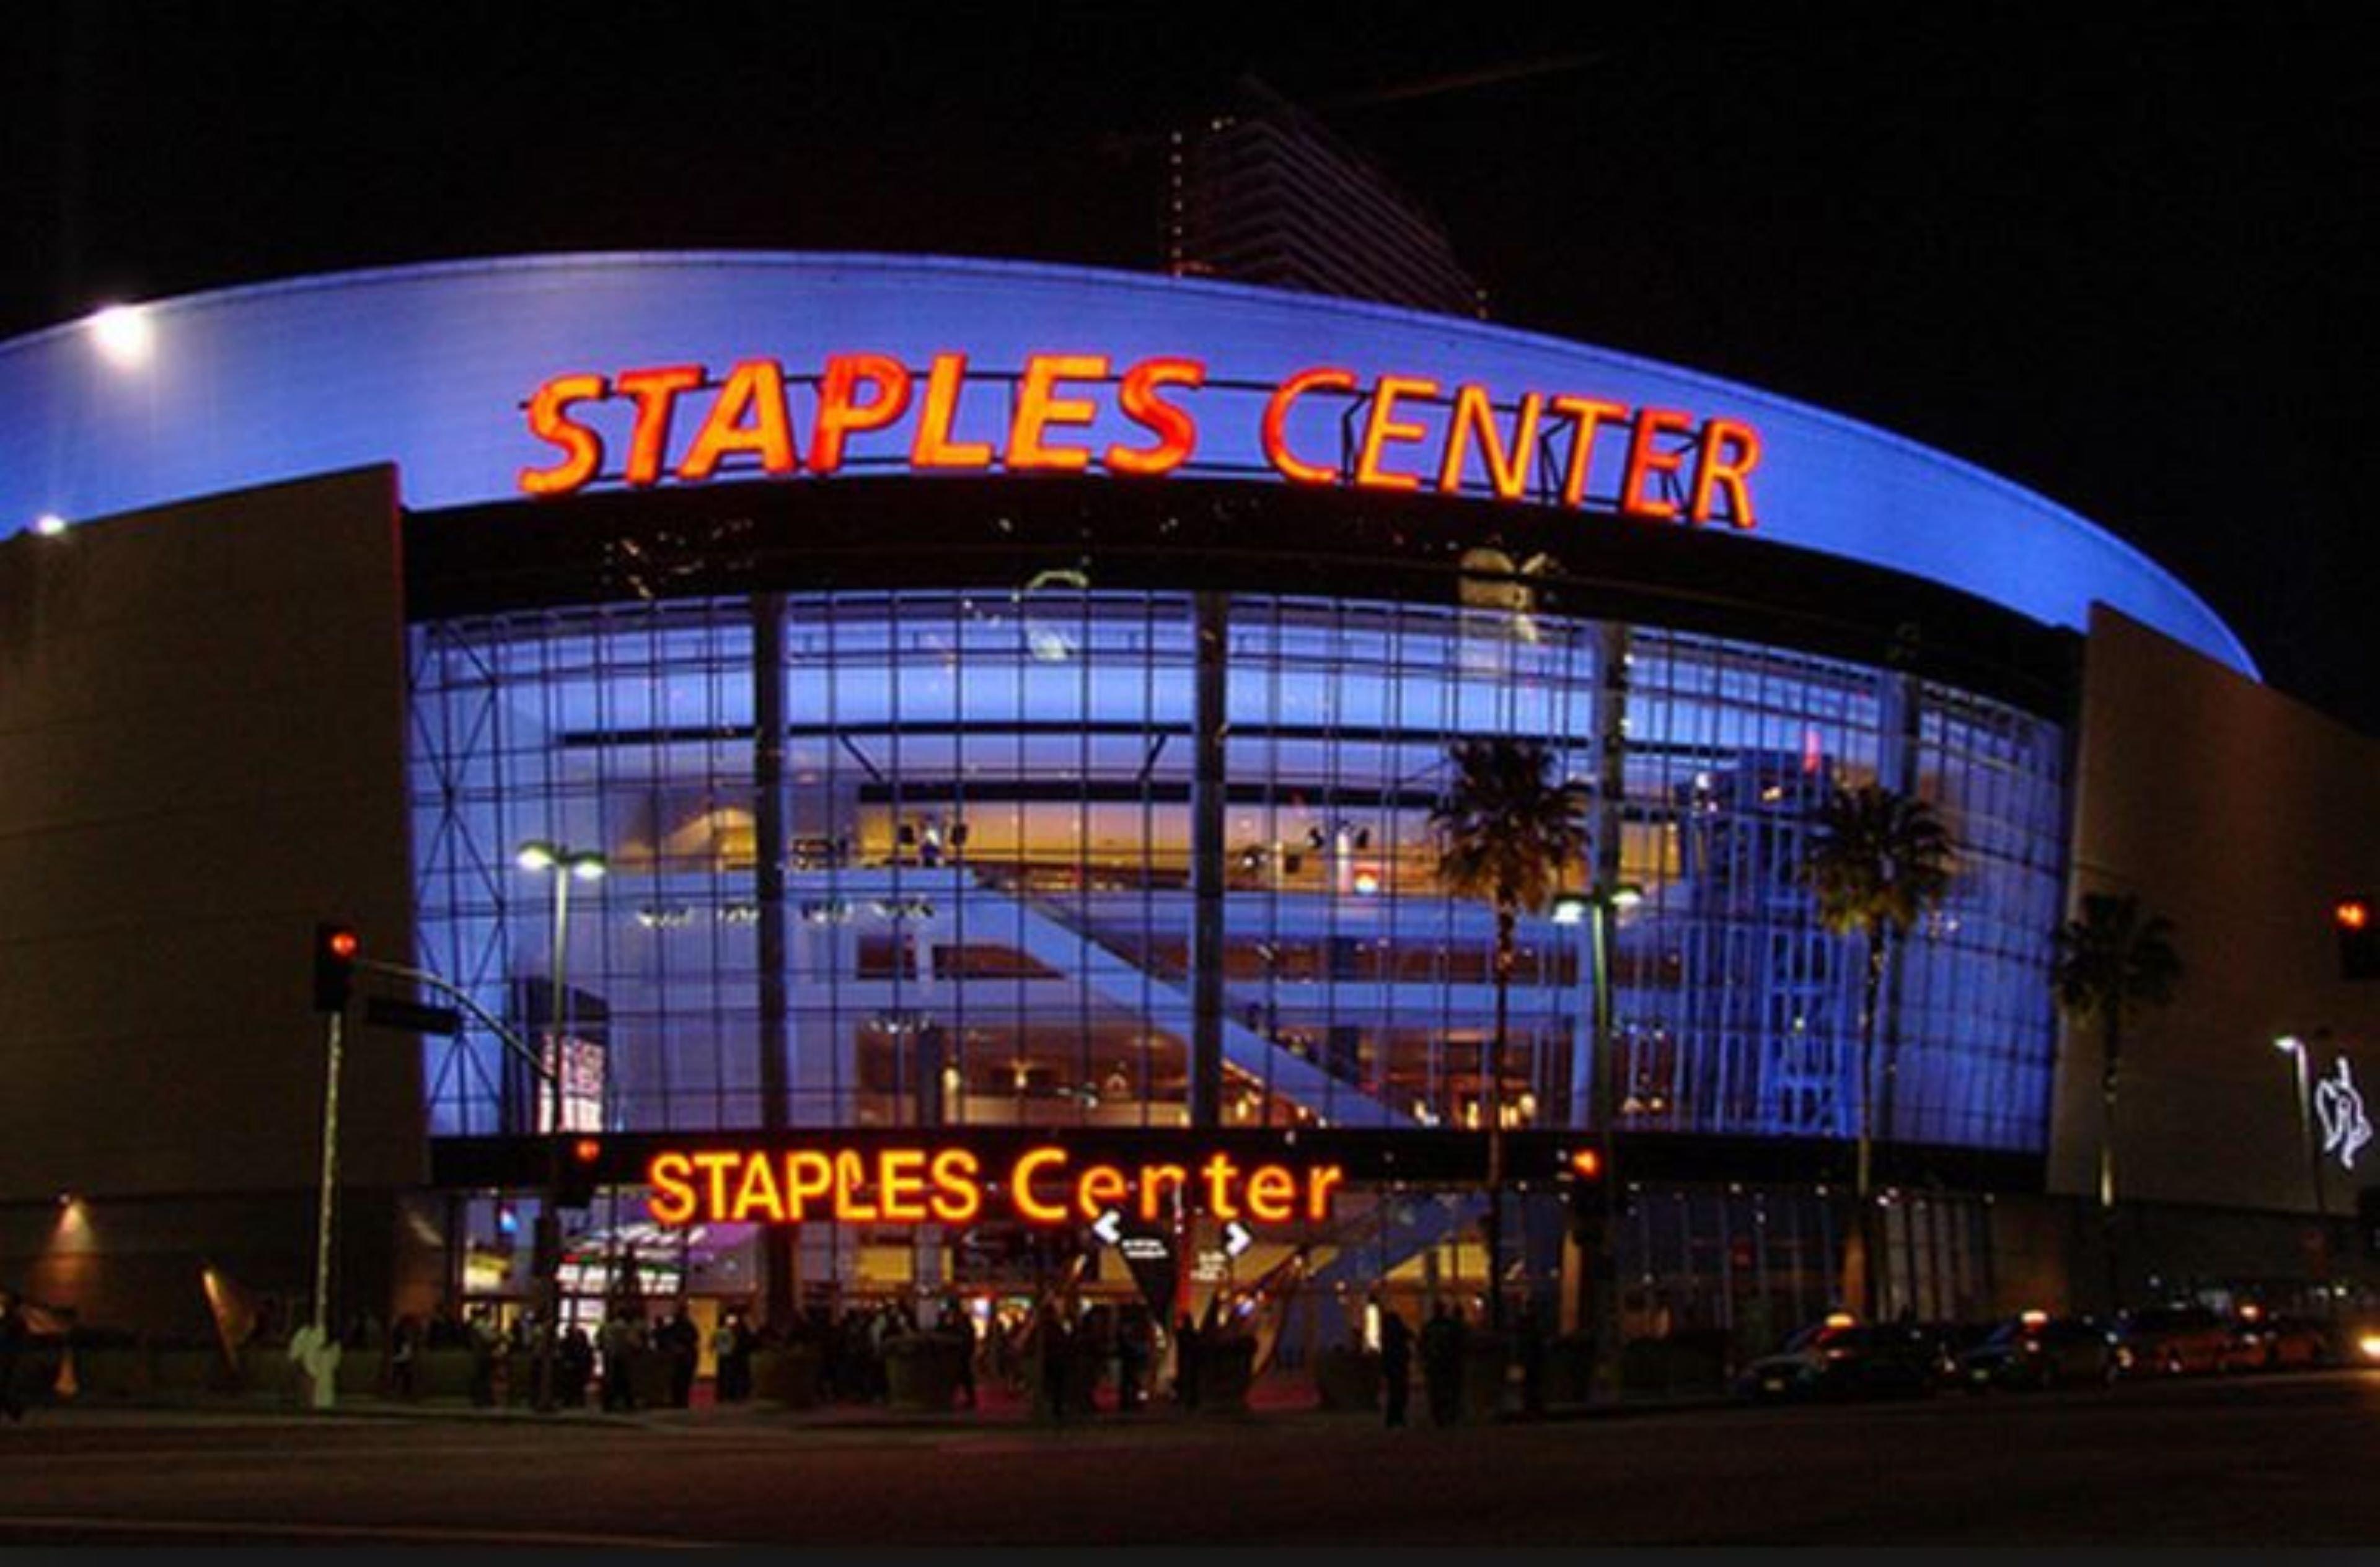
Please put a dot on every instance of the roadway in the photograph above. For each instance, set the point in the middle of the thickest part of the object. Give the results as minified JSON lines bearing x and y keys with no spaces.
{"x":2246,"y":1461}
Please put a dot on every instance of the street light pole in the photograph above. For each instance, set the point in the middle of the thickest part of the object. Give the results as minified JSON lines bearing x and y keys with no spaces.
{"x":565,"y":865}
{"x":2295,"y":1048}
{"x":1596,"y":909}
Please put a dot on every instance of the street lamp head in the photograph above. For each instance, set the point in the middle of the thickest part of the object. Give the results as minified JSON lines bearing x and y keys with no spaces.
{"x":2289,"y":1045}
{"x":123,"y":335}
{"x":1570,"y":909}
{"x":589,"y":866}
{"x":1627,"y":895}
{"x":535,"y":855}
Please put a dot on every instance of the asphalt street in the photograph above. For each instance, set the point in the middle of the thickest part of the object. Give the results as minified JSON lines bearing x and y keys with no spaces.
{"x":2248,"y":1460}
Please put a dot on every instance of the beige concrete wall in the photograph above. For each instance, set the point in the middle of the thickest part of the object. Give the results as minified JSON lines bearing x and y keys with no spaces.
{"x":2240,"y":815}
{"x":201,"y":753}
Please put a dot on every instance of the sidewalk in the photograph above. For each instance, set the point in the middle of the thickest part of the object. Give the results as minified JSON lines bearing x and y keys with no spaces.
{"x":1272,"y":1401}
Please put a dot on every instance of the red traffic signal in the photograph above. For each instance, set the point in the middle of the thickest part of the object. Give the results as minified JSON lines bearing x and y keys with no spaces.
{"x":2359,"y":936}
{"x":1590,"y":1201}
{"x":574,"y":1185}
{"x":336,"y":948}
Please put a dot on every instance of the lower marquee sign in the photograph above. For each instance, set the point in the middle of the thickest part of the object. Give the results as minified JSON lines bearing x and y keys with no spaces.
{"x":952,"y":1186}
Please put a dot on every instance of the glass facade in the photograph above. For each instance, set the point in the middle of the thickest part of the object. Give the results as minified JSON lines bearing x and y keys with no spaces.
{"x":973,"y":845}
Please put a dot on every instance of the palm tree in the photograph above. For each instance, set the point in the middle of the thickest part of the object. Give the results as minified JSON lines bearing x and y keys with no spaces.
{"x":2109,"y":962}
{"x":1506,"y":833}
{"x":1878,"y":860}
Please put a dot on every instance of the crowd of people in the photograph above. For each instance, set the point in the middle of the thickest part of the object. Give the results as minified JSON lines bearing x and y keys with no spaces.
{"x":1062,"y":1352}
{"x":503,"y":1357}
{"x":1068,"y":1357}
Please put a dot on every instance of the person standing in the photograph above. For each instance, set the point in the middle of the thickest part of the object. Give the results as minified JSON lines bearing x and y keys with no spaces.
{"x":1185,"y":1362}
{"x":683,"y":1347}
{"x":1056,"y":1342}
{"x":484,"y":1341}
{"x":748,"y":1342}
{"x":619,"y":1349}
{"x":1441,"y":1365}
{"x":962,"y":1328}
{"x":1132,"y":1361}
{"x":574,"y":1365}
{"x":1396,"y":1365}
{"x":404,"y":1345}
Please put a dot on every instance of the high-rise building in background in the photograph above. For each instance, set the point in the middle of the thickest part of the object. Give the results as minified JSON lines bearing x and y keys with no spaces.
{"x":1264,"y":192}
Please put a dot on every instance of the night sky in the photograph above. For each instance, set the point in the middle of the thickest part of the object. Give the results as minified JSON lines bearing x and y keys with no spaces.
{"x":2121,"y":255}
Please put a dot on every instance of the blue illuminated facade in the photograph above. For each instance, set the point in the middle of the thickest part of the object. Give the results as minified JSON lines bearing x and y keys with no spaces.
{"x":428,"y":368}
{"x":988,"y":805}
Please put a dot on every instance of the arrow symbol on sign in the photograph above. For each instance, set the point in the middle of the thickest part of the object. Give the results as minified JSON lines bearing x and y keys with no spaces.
{"x":1237,"y":1238}
{"x":1109,"y":1227}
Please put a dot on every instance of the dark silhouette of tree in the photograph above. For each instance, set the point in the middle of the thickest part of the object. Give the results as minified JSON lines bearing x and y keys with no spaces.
{"x":1877,"y":861}
{"x":1506,"y":833}
{"x":2111,"y":961}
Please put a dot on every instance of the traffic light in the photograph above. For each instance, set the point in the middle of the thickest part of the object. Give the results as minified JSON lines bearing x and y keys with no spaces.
{"x":1583,"y":1178}
{"x":2357,"y":920}
{"x":579,"y":1161}
{"x":335,"y":947}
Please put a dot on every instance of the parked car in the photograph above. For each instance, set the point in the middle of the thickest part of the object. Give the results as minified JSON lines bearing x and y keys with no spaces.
{"x":1840,"y":1358}
{"x":2172,"y":1340}
{"x":2263,"y":1342}
{"x":2037,"y":1350}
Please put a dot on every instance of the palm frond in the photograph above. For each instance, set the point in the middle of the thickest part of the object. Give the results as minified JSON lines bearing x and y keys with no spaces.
{"x":2112,"y":957}
{"x":1877,"y":861}
{"x":1506,"y":831}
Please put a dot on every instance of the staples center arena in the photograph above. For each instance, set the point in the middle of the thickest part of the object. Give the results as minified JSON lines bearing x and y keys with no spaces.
{"x":975,"y":729}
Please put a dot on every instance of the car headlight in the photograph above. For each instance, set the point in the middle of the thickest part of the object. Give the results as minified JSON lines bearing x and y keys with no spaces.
{"x":2370,"y":1344}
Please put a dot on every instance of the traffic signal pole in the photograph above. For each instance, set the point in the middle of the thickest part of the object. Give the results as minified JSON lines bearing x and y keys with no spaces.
{"x":336,"y":948}
{"x":328,"y":1206}
{"x":337,"y":954}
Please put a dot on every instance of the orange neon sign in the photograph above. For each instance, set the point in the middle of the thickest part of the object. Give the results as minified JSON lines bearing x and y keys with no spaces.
{"x":1079,"y":412}
{"x":949,"y":1186}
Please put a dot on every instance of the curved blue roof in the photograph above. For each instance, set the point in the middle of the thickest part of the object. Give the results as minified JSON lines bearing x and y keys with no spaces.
{"x":428,"y":368}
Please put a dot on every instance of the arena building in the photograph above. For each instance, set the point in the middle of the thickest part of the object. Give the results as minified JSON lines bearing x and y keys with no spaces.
{"x":1004,"y":705}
